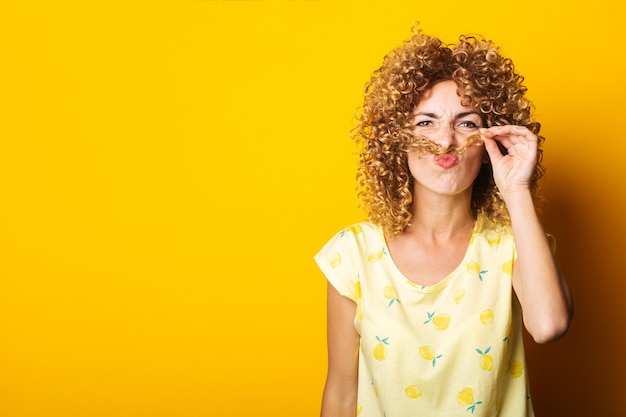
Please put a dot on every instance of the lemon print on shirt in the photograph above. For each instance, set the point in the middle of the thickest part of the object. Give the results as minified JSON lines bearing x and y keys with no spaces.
{"x":359,"y":409}
{"x":429,"y":354}
{"x":493,"y":238}
{"x":458,"y":296}
{"x":355,"y":228}
{"x":474,"y":268}
{"x":440,"y":321}
{"x":380,"y":351}
{"x":507,"y":267}
{"x":376,"y":256}
{"x":515,"y":369}
{"x":335,"y":261}
{"x":486,"y":361}
{"x":486,"y":317}
{"x":465,"y":397}
{"x":413,"y":391}
{"x":391,"y":294}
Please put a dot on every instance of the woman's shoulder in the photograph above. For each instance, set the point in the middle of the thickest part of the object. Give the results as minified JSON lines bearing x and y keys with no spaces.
{"x":340,"y":255}
{"x":491,"y":232}
{"x":355,"y":235}
{"x":485,"y":225}
{"x":363,"y":229}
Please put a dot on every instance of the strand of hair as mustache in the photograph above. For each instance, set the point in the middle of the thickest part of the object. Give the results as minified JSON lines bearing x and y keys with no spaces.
{"x":423,"y":145}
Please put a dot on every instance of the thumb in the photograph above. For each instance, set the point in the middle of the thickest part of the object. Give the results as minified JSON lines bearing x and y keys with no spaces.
{"x":491,"y":145}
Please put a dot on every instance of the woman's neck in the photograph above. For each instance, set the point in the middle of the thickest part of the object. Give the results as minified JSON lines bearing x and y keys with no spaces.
{"x":441,"y":216}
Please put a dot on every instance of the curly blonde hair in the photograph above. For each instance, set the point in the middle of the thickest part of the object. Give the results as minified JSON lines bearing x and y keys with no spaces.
{"x":487,"y":81}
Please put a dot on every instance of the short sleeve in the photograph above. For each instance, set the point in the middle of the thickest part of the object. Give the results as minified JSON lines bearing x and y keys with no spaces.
{"x":334,"y":259}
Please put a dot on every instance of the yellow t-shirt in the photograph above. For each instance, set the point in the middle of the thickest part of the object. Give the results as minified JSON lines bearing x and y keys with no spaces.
{"x":451,"y":349}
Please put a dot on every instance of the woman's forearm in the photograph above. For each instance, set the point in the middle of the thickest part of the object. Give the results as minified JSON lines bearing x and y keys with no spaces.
{"x":541,"y":289}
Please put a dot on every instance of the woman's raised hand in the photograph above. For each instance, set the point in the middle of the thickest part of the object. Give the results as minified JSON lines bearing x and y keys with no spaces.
{"x":511,"y":171}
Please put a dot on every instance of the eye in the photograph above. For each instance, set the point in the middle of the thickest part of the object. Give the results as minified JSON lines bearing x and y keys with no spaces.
{"x":424,"y":123}
{"x":467,"y":125}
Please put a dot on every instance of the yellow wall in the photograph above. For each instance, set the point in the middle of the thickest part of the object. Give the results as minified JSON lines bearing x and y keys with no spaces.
{"x":168,"y":168}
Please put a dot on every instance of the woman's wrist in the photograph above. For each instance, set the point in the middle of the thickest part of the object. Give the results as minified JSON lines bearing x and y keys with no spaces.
{"x":518,"y":201}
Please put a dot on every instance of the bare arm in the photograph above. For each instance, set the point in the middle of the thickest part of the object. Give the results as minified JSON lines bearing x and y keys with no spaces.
{"x":537,"y":280}
{"x":340,"y":392}
{"x":543,"y":292}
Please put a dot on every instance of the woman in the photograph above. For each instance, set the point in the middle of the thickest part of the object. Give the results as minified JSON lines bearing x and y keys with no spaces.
{"x":425,"y":300}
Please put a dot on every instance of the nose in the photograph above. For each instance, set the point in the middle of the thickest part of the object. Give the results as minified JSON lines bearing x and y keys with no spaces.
{"x":446,"y":136}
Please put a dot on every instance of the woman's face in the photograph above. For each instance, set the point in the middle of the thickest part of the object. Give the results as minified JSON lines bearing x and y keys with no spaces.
{"x":442,"y":119}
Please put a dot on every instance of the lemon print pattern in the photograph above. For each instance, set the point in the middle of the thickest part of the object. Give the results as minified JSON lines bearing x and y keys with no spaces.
{"x":376,"y":256}
{"x":516,"y":369}
{"x":458,"y":296}
{"x":413,"y":391}
{"x":476,"y":303}
{"x":355,"y":228}
{"x":335,"y":261}
{"x":493,"y":238}
{"x":507,"y":267}
{"x":465,"y":397}
{"x":429,"y":354}
{"x":486,"y":361}
{"x":486,"y":317}
{"x":440,"y":321}
{"x":358,"y":292}
{"x":474,"y":268}
{"x":380,"y":351}
{"x":391,"y":294}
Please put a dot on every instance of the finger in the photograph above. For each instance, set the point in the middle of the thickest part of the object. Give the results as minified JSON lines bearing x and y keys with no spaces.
{"x":509,"y":141}
{"x":509,"y":130}
{"x":492,"y":149}
{"x":512,"y":134}
{"x":503,"y":143}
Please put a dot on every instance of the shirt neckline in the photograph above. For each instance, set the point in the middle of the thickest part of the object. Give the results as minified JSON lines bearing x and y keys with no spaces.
{"x":446,"y":280}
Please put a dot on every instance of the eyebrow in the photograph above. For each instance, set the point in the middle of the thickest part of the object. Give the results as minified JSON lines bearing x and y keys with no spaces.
{"x":458,"y":116}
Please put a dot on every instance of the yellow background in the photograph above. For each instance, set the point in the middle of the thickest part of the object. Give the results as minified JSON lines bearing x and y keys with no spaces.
{"x":168,"y":169}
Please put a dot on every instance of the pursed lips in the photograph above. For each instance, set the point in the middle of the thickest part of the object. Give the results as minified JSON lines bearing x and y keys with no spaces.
{"x":447,"y":160}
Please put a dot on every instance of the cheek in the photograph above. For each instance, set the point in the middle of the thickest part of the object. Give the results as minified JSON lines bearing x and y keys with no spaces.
{"x":476,"y":157}
{"x":415,"y":163}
